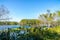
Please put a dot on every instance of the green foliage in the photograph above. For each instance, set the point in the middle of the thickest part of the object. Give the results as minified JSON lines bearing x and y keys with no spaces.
{"x":33,"y":33}
{"x":30,"y":22}
{"x":58,"y":12}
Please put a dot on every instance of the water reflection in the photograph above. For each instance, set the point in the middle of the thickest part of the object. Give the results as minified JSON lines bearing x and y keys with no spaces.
{"x":3,"y":27}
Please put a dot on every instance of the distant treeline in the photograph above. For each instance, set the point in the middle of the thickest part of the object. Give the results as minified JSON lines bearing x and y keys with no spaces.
{"x":30,"y":22}
{"x":8,"y":23}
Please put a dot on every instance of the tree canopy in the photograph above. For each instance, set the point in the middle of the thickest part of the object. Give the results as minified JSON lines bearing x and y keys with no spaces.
{"x":30,"y":22}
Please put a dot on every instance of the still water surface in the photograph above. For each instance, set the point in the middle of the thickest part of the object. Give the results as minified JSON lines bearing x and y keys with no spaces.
{"x":3,"y":27}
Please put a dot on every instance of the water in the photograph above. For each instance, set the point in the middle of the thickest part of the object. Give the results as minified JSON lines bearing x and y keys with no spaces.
{"x":3,"y":27}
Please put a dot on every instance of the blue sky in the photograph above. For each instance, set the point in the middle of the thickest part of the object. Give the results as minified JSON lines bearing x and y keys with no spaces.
{"x":29,"y":9}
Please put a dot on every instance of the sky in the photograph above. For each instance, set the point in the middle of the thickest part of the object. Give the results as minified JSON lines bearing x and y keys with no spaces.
{"x":29,"y":9}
